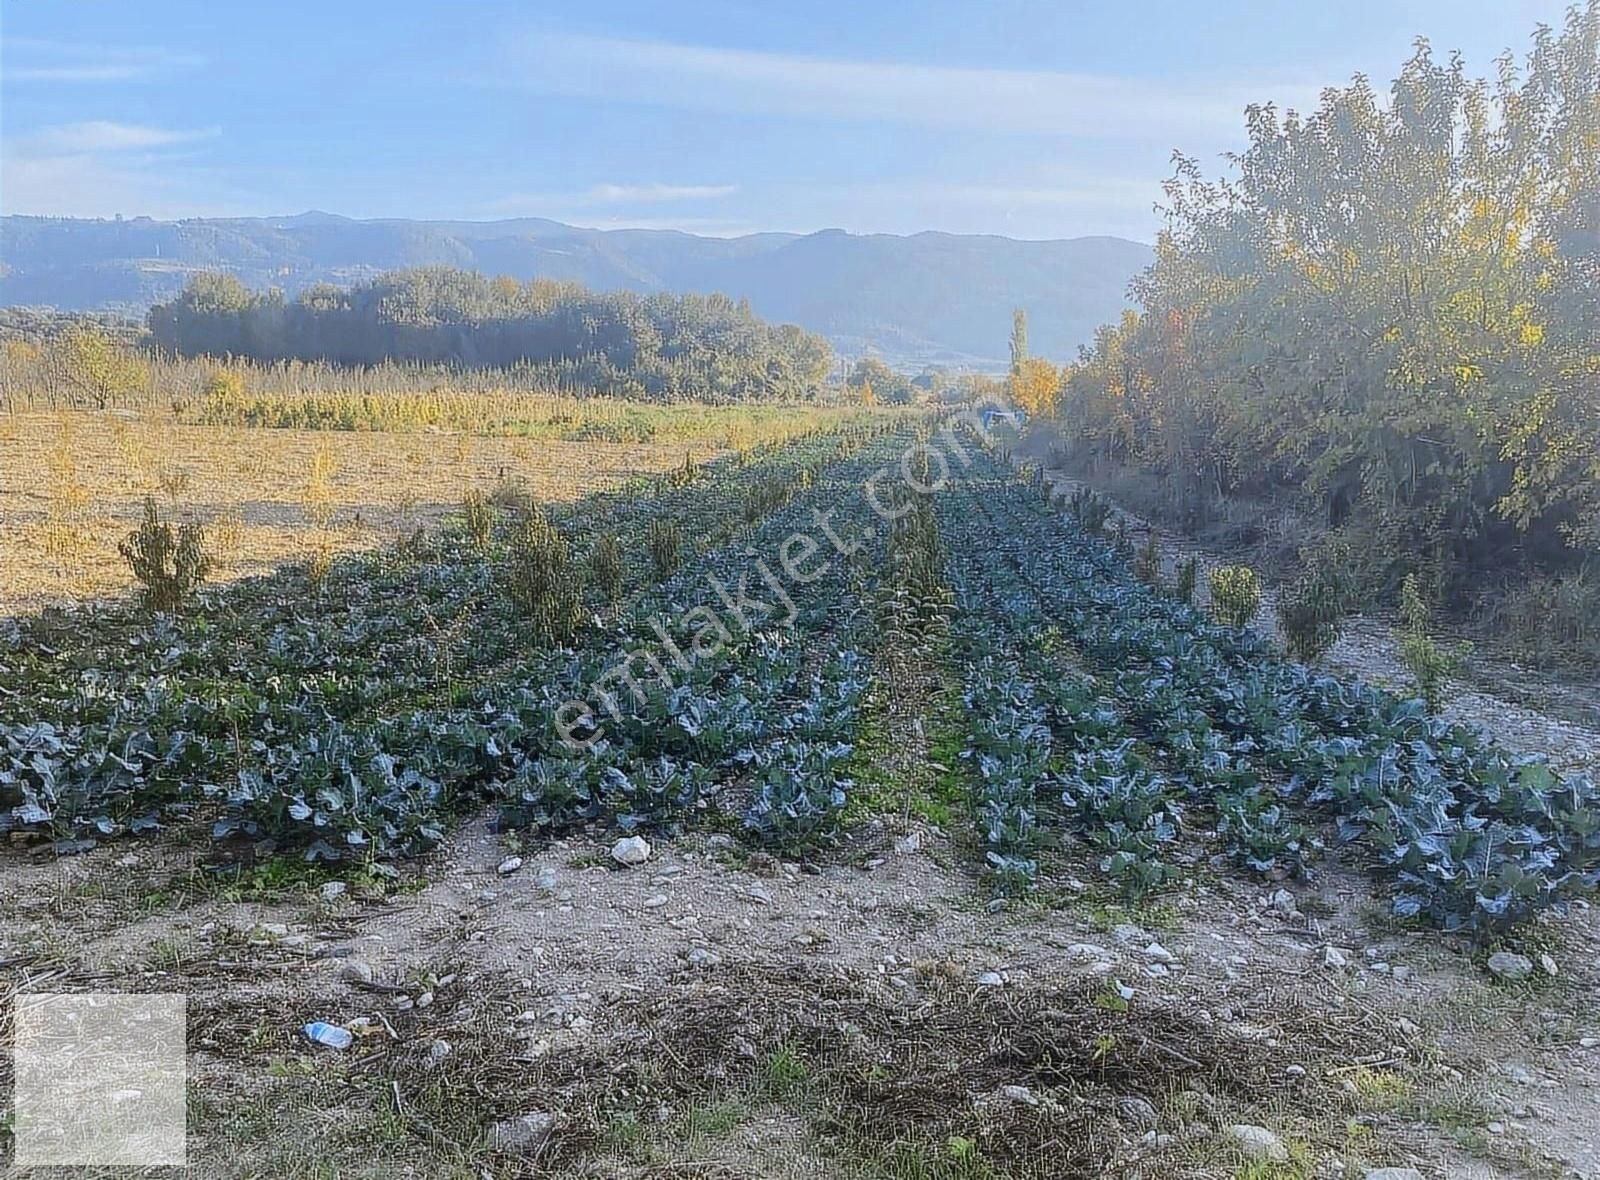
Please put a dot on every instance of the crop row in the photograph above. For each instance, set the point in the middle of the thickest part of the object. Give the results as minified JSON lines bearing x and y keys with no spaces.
{"x":1473,"y":836}
{"x":285,"y":711}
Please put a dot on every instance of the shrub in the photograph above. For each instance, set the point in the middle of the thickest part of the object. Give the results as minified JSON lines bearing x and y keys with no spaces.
{"x":1090,"y":511}
{"x":666,"y":545}
{"x":168,"y":565}
{"x":541,"y":579}
{"x":1431,"y":666}
{"x":682,"y":477}
{"x":1187,"y":575}
{"x":605,"y":567}
{"x":477,"y":518}
{"x":224,"y":390}
{"x":1235,"y":594}
{"x":1552,"y":620}
{"x":1147,"y":565}
{"x":1308,"y":617}
{"x":1122,"y":540}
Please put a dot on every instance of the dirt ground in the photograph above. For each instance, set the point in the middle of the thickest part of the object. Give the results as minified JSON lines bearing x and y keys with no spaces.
{"x":73,"y":484}
{"x":711,"y":1013}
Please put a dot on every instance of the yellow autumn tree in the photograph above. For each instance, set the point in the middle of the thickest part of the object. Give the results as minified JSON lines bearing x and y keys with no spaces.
{"x":1035,"y":387}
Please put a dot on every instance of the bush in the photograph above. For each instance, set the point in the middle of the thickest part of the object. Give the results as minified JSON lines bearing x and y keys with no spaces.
{"x":605,"y":567}
{"x":1187,"y":575}
{"x":1235,"y":594}
{"x":477,"y":518}
{"x":666,"y":546}
{"x":542,"y":581}
{"x":169,"y":566}
{"x":1122,"y":541}
{"x":1431,"y":666}
{"x":1147,"y":565}
{"x":1551,"y":620}
{"x":1309,"y":614}
{"x":1090,"y":511}
{"x":223,"y":391}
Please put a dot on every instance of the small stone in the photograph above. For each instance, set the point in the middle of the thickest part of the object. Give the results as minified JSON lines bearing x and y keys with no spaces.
{"x":655,"y":901}
{"x":509,"y":865}
{"x":1497,"y":1128}
{"x":1589,"y":1043}
{"x":991,"y":979}
{"x":1020,"y":1095}
{"x":332,"y":890}
{"x":523,"y":1136}
{"x":759,"y":894}
{"x":1510,"y":968}
{"x":703,"y":958}
{"x":1157,"y":953}
{"x":1258,"y":1143}
{"x":1392,"y":1174}
{"x":1402,"y":974}
{"x":1088,"y":950}
{"x":1138,"y":1112}
{"x":1334,"y":959}
{"x":1519,"y":1074}
{"x":355,"y":971}
{"x":425,"y":1000}
{"x":1547,"y":965}
{"x":1157,"y":970}
{"x":1296,"y":1071}
{"x":1283,"y":902}
{"x":546,"y":879}
{"x":439,"y":1049}
{"x":632,"y":850}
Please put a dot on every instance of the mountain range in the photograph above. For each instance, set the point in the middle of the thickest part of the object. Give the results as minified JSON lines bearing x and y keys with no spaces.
{"x":923,"y":298}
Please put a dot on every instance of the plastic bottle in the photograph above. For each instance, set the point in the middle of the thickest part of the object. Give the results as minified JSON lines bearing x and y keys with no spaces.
{"x":330,"y":1035}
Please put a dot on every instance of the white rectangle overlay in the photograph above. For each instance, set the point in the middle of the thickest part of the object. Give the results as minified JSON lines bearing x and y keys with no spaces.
{"x":100,"y":1080}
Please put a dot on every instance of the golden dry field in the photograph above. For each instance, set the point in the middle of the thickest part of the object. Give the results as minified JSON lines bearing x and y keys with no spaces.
{"x":73,"y":484}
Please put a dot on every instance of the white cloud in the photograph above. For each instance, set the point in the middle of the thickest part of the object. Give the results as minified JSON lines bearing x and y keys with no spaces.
{"x":99,"y":168}
{"x":28,"y":59}
{"x":1037,"y":102}
{"x":99,"y":135}
{"x":89,"y":185}
{"x":630,"y":194}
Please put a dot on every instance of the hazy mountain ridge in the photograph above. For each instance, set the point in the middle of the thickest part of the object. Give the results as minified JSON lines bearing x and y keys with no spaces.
{"x":929,"y":296}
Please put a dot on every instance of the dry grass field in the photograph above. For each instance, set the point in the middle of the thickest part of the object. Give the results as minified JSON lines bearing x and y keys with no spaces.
{"x":73,"y":483}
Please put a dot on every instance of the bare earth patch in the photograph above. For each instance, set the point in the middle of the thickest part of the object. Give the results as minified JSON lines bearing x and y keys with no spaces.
{"x":73,"y":484}
{"x":712,"y":1014}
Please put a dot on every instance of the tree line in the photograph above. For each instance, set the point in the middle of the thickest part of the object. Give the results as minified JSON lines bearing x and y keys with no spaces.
{"x":659,"y":347}
{"x":1389,"y":312}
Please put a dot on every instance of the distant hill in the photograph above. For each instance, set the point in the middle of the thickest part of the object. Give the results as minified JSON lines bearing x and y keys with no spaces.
{"x":927,"y":297}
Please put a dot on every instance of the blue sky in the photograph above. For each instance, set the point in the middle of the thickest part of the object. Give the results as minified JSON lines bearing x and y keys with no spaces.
{"x":1031,"y":118}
